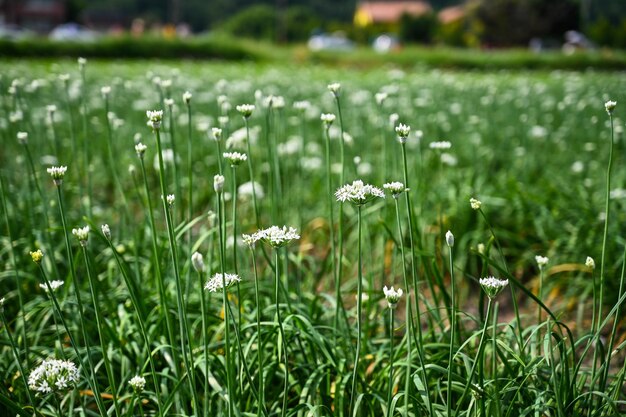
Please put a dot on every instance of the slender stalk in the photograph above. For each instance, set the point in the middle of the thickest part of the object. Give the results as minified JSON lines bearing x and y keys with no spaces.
{"x":86,"y":170}
{"x":494,"y":361}
{"x":205,"y":342}
{"x":408,"y":311}
{"x":174,"y":153}
{"x":390,"y":385}
{"x":452,"y":334}
{"x":185,"y":336}
{"x":254,"y":200}
{"x":70,"y":260}
{"x":261,"y":401}
{"x":157,"y":266}
{"x":520,"y":337}
{"x":540,"y":294}
{"x":229,"y":387}
{"x":100,"y":325}
{"x":410,"y":214}
{"x":606,"y":222}
{"x":329,"y":193}
{"x":182,"y":315}
{"x":116,"y":178}
{"x":142,"y":326}
{"x":16,"y":270}
{"x":358,"y":312}
{"x":479,"y":358}
{"x":235,"y":266}
{"x":283,"y":343}
{"x":607,"y":363}
{"x":17,"y":356}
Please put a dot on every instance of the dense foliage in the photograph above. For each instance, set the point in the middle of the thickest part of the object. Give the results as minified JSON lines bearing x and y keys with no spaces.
{"x":305,"y":327}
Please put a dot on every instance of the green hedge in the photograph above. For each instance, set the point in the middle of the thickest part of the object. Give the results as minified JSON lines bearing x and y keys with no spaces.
{"x":208,"y":47}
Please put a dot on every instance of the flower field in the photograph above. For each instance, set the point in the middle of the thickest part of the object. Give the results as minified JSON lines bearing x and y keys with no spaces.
{"x":238,"y":239}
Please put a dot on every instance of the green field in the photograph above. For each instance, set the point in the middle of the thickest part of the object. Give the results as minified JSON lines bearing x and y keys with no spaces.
{"x":533,"y":147}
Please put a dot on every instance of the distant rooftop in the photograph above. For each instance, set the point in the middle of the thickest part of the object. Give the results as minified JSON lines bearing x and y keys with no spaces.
{"x":369,"y":12}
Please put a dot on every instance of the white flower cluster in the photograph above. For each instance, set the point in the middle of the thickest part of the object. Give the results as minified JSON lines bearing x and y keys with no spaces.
{"x":493,"y":286}
{"x":449,"y":239}
{"x":444,"y":144}
{"x":140,"y":148}
{"x":392,"y":296}
{"x":54,"y":285}
{"x":541,"y":261}
{"x":57,"y":174}
{"x":22,"y":137}
{"x":137,"y":383}
{"x":235,"y":158}
{"x":301,"y":105}
{"x":217,"y":133}
{"x":216,"y":283}
{"x":274,"y":236}
{"x":395,"y":188}
{"x":590,"y":263}
{"x":335,"y":89}
{"x":403,"y":132}
{"x":82,"y":234}
{"x":358,"y":193}
{"x":475,"y":204}
{"x":327,"y":119}
{"x":187,"y":97}
{"x":610,"y":106}
{"x":154,"y":118}
{"x":106,"y":231}
{"x":245,"y":110}
{"x":53,"y":375}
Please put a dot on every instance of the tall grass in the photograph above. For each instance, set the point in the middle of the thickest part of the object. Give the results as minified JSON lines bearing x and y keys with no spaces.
{"x":328,"y":344}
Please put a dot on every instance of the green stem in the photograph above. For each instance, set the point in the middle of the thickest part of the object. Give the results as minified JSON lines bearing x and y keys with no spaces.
{"x":229,"y":388}
{"x":205,"y":342}
{"x":157,"y":266}
{"x":17,"y":356}
{"x":329,"y":193}
{"x":18,"y":281}
{"x":142,"y":326}
{"x":358,"y":313}
{"x":283,"y":343}
{"x":494,"y":363}
{"x":520,"y":337}
{"x":390,"y":386}
{"x":452,"y":334}
{"x":70,"y":259}
{"x":479,"y":359}
{"x":261,"y":401}
{"x":182,"y":315}
{"x":86,"y":158}
{"x":410,"y":214}
{"x":408,"y":311}
{"x":100,"y":325}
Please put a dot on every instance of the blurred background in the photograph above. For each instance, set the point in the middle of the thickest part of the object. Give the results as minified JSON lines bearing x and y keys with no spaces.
{"x":382,"y":25}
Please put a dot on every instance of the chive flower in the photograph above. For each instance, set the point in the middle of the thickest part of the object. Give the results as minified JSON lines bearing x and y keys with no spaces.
{"x":137,"y":383}
{"x":245,"y":110}
{"x":493,"y":286}
{"x":197,"y":260}
{"x":541,"y":261}
{"x":53,"y":376}
{"x":216,"y":282}
{"x":54,"y":285}
{"x":358,"y":193}
{"x":82,"y":234}
{"x":335,"y":89}
{"x":22,"y":137}
{"x":449,"y":239}
{"x":610,"y":106}
{"x":395,"y":188}
{"x":187,"y":97}
{"x":327,"y":119}
{"x":403,"y":132}
{"x":392,"y":296}
{"x":218,"y":183}
{"x":140,"y":148}
{"x":475,"y":204}
{"x":154,"y":118}
{"x":57,"y":174}
{"x":235,"y":158}
{"x":590,"y":263}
